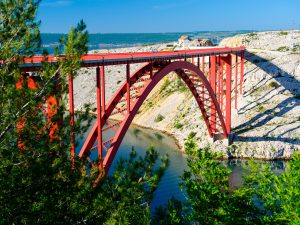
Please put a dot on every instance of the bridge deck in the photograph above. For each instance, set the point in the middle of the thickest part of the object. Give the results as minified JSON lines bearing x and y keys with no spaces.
{"x":91,"y":60}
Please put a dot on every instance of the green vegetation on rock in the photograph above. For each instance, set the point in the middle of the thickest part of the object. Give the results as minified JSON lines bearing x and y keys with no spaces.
{"x":263,"y":198}
{"x":283,"y":49}
{"x":159,"y":118}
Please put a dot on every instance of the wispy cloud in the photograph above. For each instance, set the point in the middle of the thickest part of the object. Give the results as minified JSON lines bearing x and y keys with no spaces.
{"x":59,"y":3}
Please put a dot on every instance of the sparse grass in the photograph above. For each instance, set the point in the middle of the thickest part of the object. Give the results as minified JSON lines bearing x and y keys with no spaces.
{"x":178,"y":125}
{"x":296,"y":48}
{"x":283,"y":33}
{"x":283,"y":49}
{"x":164,"y":86}
{"x":150,"y":104}
{"x":261,"y":108}
{"x":181,"y":85}
{"x":159,"y":118}
{"x":273,"y":84}
{"x":192,"y":135}
{"x":252,"y":34}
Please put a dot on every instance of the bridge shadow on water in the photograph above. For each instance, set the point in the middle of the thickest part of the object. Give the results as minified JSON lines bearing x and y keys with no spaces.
{"x":287,"y":83}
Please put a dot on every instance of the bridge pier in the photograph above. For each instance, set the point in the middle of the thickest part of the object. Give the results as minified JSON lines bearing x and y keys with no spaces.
{"x":220,"y":137}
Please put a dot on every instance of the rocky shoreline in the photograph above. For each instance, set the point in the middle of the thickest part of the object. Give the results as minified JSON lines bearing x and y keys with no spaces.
{"x":267,"y":122}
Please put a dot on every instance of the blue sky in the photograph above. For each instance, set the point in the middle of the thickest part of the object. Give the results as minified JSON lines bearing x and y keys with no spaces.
{"x":126,"y":16}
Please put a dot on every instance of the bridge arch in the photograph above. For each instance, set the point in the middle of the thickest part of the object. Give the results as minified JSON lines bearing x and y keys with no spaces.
{"x":188,"y":72}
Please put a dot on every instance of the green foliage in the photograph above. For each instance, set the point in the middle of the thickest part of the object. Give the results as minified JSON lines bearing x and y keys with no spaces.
{"x":209,"y":196}
{"x":283,"y":49}
{"x":264,"y":197}
{"x":171,"y":214}
{"x":159,"y":118}
{"x":283,"y":33}
{"x":273,"y":84}
{"x":180,"y":85}
{"x":38,"y":183}
{"x":192,"y":135}
{"x":178,"y":125}
{"x":277,"y":196}
{"x":296,"y":48}
{"x":169,"y":87}
{"x":252,"y":34}
{"x":165,"y":85}
{"x":261,"y":108}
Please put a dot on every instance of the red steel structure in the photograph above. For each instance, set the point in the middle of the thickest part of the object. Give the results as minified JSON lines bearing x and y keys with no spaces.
{"x":207,"y":72}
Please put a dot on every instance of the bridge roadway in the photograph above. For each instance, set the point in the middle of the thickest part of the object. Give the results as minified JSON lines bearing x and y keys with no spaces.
{"x":92,"y":60}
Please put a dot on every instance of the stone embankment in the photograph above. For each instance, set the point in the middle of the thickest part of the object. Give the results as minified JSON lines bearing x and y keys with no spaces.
{"x":267,"y":122}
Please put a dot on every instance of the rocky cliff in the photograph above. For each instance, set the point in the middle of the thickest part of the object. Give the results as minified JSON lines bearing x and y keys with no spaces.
{"x":267,"y":122}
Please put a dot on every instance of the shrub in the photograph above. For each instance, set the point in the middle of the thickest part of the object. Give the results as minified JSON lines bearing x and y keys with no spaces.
{"x":252,"y":34}
{"x":283,"y":49}
{"x":159,"y":118}
{"x":273,"y":84}
{"x":283,"y":33}
{"x":261,"y":108}
{"x":192,"y":135}
{"x":178,"y":125}
{"x":165,"y":84}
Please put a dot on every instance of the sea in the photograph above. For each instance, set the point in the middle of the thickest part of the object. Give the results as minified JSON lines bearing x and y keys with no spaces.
{"x":122,"y":40}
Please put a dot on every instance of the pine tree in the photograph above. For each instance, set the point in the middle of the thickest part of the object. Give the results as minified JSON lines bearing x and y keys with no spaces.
{"x":37,"y":180}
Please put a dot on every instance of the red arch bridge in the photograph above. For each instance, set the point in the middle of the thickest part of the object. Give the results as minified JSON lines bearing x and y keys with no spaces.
{"x":213,"y":75}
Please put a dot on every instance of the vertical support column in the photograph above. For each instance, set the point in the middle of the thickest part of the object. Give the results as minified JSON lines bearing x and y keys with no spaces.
{"x":72,"y":119}
{"x":222,"y":84}
{"x":212,"y":73}
{"x":128,"y":87}
{"x":236,"y":81}
{"x":102,"y":80}
{"x":99,"y":116}
{"x":220,"y":81}
{"x":209,"y":69}
{"x":228,"y":93}
{"x":151,"y":70}
{"x":242,"y":73}
{"x":203,"y":70}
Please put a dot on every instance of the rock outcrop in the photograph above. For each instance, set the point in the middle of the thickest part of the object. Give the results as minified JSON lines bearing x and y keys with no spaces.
{"x":267,"y":122}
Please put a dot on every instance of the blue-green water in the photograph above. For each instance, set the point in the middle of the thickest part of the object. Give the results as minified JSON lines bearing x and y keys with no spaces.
{"x":141,"y":139}
{"x":122,"y":40}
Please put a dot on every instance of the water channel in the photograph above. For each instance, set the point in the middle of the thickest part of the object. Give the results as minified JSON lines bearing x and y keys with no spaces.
{"x":142,"y":138}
